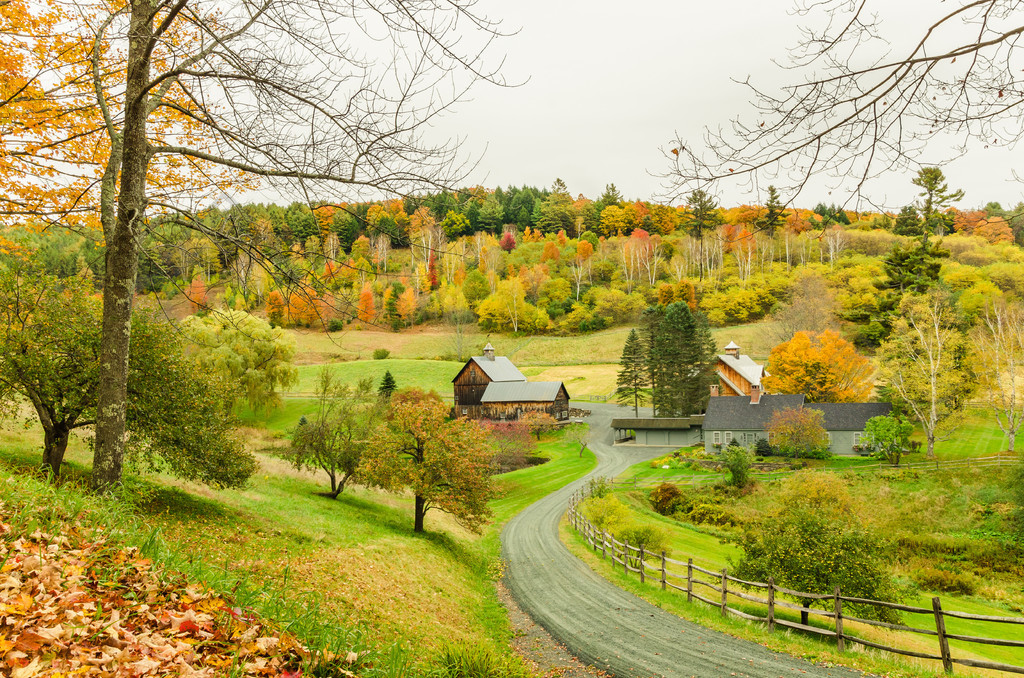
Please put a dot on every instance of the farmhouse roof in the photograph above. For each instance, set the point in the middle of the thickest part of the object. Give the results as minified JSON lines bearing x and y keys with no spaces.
{"x":499,"y":368}
{"x":746,"y":367}
{"x":849,"y":416}
{"x":521,"y":391}
{"x":732,"y":413}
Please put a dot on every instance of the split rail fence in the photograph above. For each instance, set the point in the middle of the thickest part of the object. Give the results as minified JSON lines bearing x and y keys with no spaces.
{"x":934,"y":465}
{"x":716,"y":588}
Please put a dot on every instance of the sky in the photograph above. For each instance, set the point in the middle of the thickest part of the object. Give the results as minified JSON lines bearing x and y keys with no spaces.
{"x":606,"y":86}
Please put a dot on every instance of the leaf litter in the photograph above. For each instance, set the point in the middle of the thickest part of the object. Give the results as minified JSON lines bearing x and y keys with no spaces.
{"x":77,"y":605}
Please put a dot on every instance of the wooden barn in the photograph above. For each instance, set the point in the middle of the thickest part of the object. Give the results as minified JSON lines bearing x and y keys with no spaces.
{"x":491,"y":387}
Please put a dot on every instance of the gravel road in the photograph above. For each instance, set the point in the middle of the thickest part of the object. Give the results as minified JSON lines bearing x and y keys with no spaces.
{"x":605,"y":626}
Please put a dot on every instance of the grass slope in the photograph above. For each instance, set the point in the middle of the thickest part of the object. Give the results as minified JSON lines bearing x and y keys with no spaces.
{"x":356,"y":557}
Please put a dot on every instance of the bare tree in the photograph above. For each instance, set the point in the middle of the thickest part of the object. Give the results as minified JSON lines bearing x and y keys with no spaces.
{"x":999,"y":340}
{"x":194,"y":97}
{"x":810,"y":309}
{"x":865,"y":100}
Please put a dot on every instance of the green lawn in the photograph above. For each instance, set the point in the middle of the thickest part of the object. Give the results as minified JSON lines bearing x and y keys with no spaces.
{"x":978,"y":436}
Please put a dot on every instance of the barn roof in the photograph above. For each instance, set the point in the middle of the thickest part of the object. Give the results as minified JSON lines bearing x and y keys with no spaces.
{"x":746,"y":367}
{"x":498,"y":369}
{"x":849,"y":416}
{"x":521,"y":391}
{"x":738,"y":413}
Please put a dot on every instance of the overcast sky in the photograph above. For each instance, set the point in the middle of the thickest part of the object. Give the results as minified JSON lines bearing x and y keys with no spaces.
{"x":609,"y":84}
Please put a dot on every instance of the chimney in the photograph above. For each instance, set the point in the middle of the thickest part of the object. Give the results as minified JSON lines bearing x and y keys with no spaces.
{"x":755,"y":394}
{"x":714,"y":390}
{"x":489,"y":351}
{"x":732,"y":349}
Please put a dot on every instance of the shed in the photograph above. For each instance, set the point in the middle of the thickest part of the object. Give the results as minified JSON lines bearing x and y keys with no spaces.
{"x":667,"y":431}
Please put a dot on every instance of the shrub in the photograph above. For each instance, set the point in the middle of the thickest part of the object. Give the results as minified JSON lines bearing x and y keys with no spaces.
{"x":665,"y":498}
{"x":606,"y":513}
{"x":335,"y":325}
{"x":763,"y":448}
{"x":708,"y":514}
{"x":934,"y":579}
{"x":651,"y":537}
{"x":737,"y":460}
{"x":381,"y":353}
{"x":598,"y":487}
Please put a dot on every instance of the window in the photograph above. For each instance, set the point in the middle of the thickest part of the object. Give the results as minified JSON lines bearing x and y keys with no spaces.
{"x":856,"y":438}
{"x":718,"y":438}
{"x":829,"y":436}
{"x":465,"y":410}
{"x":728,"y":437}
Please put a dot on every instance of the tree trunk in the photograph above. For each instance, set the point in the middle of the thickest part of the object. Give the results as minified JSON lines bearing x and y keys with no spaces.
{"x":421,"y":511}
{"x":931,"y":445}
{"x":1012,"y":436}
{"x":122,"y":259}
{"x":55,"y":444}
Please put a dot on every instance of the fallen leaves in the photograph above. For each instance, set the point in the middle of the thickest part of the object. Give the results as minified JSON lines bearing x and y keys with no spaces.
{"x":71,"y":606}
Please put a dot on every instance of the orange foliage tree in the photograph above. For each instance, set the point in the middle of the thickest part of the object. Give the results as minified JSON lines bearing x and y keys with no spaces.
{"x":824,"y":367}
{"x":446,"y":463}
{"x":366,"y":311}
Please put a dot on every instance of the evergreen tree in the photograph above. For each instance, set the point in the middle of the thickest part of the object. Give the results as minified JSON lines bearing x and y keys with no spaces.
{"x":387,"y":386}
{"x":908,"y":222}
{"x":680,"y":359}
{"x":633,"y":377}
{"x":703,"y":216}
{"x":937,"y":198}
{"x":775,"y":214}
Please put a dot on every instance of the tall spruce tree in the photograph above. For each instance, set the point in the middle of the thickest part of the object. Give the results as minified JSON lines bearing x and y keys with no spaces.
{"x":680,"y":359}
{"x":634,"y":379}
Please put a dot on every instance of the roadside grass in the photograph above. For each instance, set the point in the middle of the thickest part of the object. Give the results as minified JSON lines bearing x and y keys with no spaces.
{"x":353,"y":563}
{"x":960,"y":511}
{"x":787,"y":641}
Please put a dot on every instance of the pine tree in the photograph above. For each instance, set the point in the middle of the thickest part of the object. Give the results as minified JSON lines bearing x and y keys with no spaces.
{"x":775,"y":215}
{"x":680,"y":359}
{"x":387,"y":386}
{"x":633,"y":377}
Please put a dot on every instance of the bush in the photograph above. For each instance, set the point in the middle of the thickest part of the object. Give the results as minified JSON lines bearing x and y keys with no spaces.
{"x":335,"y":325}
{"x":737,"y":460}
{"x":606,"y":513}
{"x":934,"y":579}
{"x":381,"y":353}
{"x":763,"y":448}
{"x":652,"y":538}
{"x":708,"y":514}
{"x":598,"y":487}
{"x":476,"y":661}
{"x":665,"y":498}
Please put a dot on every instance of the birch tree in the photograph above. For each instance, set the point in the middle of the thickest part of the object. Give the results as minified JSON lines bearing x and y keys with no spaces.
{"x":999,"y":340}
{"x":927,"y":364}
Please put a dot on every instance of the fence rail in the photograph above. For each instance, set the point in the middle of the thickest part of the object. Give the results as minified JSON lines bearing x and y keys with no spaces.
{"x":654,"y":568}
{"x":997,"y":461}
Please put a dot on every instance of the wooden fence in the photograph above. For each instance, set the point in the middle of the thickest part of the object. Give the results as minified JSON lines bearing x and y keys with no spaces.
{"x":933,"y":465}
{"x":656,"y":570}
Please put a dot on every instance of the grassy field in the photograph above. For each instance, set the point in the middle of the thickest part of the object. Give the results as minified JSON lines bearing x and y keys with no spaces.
{"x":953,"y":521}
{"x":431,"y":342}
{"x":357,"y":556}
{"x":428,"y":375}
{"x":978,"y":436}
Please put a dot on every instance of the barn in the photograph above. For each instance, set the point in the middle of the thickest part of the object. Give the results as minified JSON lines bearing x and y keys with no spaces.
{"x":491,"y":387}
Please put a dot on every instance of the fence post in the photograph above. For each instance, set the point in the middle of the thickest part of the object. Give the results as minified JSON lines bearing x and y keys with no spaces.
{"x":689,"y":580}
{"x":771,"y":604}
{"x":662,"y":570}
{"x":604,"y":545}
{"x":840,"y":642}
{"x":725,"y":589}
{"x":940,"y":627}
{"x":642,"y":579}
{"x":625,"y":555}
